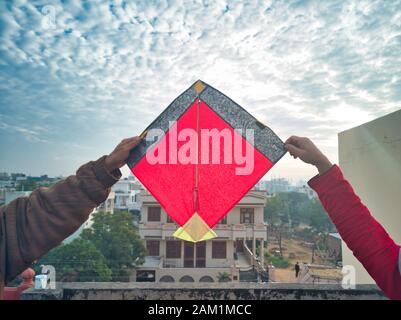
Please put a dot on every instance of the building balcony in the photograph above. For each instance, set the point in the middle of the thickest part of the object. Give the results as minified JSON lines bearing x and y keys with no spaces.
{"x":201,"y":291}
{"x":154,"y":262}
{"x":228,"y":231}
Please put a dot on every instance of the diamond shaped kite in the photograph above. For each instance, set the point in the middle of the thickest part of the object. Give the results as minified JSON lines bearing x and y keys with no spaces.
{"x":200,"y":156}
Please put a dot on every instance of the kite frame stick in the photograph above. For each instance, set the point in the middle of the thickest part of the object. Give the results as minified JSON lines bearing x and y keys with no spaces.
{"x":196,"y":191}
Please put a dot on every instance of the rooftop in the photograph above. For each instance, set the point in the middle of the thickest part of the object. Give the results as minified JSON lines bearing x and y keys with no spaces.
{"x":201,"y":291}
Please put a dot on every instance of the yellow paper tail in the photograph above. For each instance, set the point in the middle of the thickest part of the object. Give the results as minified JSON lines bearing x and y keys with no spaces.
{"x":194,"y":230}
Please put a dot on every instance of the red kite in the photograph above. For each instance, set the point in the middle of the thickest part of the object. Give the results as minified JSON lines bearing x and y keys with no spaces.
{"x":200,"y":156}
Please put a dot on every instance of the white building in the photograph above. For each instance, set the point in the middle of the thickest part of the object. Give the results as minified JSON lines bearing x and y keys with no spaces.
{"x":108,"y":205}
{"x":125,"y":194}
{"x":172,"y":260}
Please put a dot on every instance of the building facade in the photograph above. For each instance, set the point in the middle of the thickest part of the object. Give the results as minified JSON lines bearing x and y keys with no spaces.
{"x":232,"y":255}
{"x":125,"y":194}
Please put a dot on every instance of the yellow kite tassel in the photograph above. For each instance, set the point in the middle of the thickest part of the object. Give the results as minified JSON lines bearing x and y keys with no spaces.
{"x":195,"y":230}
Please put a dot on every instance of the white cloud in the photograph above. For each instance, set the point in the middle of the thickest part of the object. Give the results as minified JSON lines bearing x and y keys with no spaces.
{"x":300,"y":66}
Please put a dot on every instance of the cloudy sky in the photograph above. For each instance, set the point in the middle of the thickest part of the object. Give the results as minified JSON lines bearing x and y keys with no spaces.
{"x":78,"y":76}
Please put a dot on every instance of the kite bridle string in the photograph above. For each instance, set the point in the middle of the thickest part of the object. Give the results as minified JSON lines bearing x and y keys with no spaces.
{"x":196,"y":195}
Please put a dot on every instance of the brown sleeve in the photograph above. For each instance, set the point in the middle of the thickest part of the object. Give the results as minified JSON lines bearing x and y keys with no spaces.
{"x":36,"y":224}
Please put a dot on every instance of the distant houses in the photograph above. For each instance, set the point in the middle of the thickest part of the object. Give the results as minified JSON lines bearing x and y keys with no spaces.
{"x":282,"y":185}
{"x":16,"y":185}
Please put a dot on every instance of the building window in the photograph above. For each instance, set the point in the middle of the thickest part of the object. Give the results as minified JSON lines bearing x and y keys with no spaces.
{"x":153,"y":247}
{"x":154,"y":214}
{"x":247,"y":215}
{"x":219,"y":250}
{"x":224,"y":220}
{"x":173,"y":249}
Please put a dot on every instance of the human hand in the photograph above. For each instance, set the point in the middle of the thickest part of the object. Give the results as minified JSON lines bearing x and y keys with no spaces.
{"x":305,"y":149}
{"x":116,"y":159}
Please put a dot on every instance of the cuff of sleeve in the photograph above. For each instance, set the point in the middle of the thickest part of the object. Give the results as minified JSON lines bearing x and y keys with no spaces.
{"x":326,"y":181}
{"x":399,"y":261}
{"x":103,"y":175}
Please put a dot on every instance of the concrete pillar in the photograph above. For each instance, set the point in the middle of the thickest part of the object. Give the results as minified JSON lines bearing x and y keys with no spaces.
{"x":262,"y":252}
{"x":182,"y":254}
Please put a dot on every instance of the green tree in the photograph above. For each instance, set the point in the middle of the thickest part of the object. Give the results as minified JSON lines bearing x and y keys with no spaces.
{"x":296,"y":203}
{"x":77,"y":261}
{"x":273,"y":209}
{"x":288,"y":207}
{"x":319,"y":220}
{"x":277,"y":260}
{"x":223,"y":277}
{"x":294,"y":208}
{"x":114,"y":236}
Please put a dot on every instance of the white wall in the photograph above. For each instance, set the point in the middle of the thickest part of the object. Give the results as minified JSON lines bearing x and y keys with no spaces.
{"x":234,"y":216}
{"x":370,"y":157}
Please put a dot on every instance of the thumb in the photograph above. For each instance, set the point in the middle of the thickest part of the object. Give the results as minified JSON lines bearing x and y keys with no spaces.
{"x":293,"y":150}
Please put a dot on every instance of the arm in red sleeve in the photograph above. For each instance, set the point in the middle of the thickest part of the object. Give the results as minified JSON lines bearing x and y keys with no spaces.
{"x":367,"y":239}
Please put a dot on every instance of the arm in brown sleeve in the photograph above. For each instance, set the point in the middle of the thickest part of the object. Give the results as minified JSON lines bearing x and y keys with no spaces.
{"x":36,"y":224}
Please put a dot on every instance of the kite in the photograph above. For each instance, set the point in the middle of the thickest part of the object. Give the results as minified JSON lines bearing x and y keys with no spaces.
{"x":200,"y":156}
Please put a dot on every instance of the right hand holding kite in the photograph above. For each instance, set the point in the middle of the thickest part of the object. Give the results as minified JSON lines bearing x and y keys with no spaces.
{"x":305,"y":149}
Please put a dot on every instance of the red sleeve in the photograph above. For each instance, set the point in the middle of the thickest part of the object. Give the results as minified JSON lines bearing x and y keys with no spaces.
{"x":367,"y":239}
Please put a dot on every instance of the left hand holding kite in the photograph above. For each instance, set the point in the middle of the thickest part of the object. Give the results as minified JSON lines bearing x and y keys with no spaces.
{"x":116,"y":159}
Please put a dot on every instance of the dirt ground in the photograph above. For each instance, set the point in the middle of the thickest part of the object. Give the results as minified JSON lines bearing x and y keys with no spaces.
{"x":284,"y":275}
{"x":294,"y":251}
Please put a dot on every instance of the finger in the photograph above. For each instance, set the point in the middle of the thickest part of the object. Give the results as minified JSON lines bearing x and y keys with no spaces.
{"x":123,"y":142}
{"x":294,"y":140}
{"x":293,"y":150}
{"x":130,"y":140}
{"x":133,"y":142}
